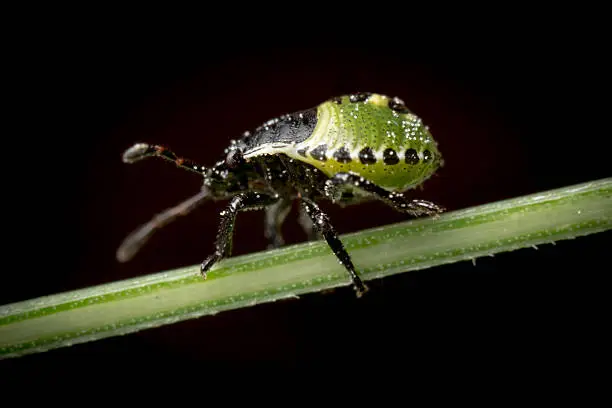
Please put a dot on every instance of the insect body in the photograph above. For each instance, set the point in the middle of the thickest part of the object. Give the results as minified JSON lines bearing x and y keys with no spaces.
{"x":348,"y":149}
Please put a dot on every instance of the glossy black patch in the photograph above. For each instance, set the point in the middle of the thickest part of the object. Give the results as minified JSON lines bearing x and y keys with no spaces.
{"x":366,"y":155}
{"x":319,"y":152}
{"x":412,"y":157}
{"x":302,"y":152}
{"x":337,"y":100}
{"x":294,"y":128}
{"x":360,"y":97}
{"x":427,"y":156}
{"x":342,"y":155}
{"x":390,"y":157}
{"x":398,"y":105}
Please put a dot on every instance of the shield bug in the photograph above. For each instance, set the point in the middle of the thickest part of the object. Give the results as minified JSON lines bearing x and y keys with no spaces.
{"x":348,"y":149}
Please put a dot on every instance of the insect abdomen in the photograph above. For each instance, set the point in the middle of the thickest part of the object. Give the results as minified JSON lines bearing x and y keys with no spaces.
{"x":371,"y":135}
{"x":374,"y":136}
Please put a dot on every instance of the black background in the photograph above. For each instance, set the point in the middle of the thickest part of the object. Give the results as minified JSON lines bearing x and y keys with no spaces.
{"x":514,"y":112}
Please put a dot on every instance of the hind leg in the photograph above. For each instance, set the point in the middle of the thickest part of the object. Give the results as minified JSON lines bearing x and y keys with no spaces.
{"x":275,"y":216}
{"x":396,"y":200}
{"x":322,"y":224}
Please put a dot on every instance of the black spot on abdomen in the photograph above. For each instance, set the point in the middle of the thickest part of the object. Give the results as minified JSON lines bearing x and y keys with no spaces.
{"x":342,"y":155}
{"x":390,"y":157}
{"x":319,"y":152}
{"x":412,"y":157}
{"x":359,"y":97}
{"x":366,"y":156}
{"x":398,"y":105}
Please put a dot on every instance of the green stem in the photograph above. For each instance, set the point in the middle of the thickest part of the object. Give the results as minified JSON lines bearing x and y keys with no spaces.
{"x":126,"y":306}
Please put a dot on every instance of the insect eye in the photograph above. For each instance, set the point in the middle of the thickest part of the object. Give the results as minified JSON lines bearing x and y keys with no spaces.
{"x":234,"y":158}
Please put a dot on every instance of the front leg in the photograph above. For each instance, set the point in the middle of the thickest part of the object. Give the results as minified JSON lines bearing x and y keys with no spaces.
{"x":396,"y":200}
{"x":240,"y":202}
{"x":322,"y":224}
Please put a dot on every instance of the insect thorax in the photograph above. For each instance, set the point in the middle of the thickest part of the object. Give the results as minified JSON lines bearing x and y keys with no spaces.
{"x":368,"y":134}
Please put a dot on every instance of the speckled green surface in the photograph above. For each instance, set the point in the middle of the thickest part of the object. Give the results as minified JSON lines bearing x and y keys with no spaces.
{"x":127,"y":306}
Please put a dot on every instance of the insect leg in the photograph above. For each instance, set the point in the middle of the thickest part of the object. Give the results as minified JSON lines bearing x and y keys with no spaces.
{"x":275,"y":216}
{"x":223,"y":245}
{"x":133,"y":242}
{"x":323,"y":225}
{"x":307,"y":225}
{"x":143,"y":150}
{"x":396,"y":200}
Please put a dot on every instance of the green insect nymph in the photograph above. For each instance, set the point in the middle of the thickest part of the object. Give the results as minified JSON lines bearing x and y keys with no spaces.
{"x":348,"y":149}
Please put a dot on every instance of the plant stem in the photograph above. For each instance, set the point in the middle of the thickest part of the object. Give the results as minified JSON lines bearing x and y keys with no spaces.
{"x":130,"y":305}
